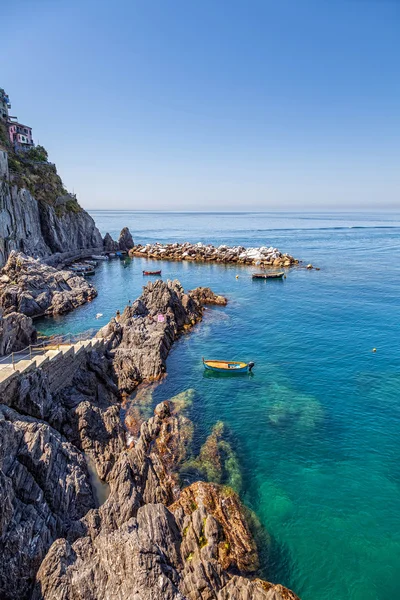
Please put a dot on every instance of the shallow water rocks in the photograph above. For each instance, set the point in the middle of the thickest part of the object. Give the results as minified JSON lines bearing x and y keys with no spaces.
{"x":208,"y":253}
{"x":204,"y":295}
{"x":30,"y":287}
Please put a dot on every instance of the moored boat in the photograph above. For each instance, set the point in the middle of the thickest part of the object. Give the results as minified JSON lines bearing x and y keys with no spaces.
{"x":151,"y":272}
{"x":268,"y":275}
{"x":99,"y":257}
{"x":228,"y":366}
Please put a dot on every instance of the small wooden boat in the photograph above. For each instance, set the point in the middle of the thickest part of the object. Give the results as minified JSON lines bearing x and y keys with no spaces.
{"x":268,"y":275}
{"x":228,"y":366}
{"x":151,"y":272}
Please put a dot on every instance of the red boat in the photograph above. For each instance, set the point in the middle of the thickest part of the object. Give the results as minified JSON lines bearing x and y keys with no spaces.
{"x":151,"y":272}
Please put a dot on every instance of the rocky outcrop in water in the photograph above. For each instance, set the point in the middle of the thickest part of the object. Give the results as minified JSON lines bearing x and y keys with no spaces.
{"x":16,"y":332}
{"x":125,"y":241}
{"x":133,"y":546}
{"x":145,"y":332}
{"x":29,"y":287}
{"x":149,"y":539}
{"x":268,"y":257}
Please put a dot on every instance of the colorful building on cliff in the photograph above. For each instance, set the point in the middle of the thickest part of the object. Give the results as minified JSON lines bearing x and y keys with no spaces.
{"x":4,"y":105}
{"x":20,"y":135}
{"x":3,"y":162}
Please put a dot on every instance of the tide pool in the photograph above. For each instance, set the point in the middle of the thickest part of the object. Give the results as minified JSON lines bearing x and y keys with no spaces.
{"x":316,"y":427}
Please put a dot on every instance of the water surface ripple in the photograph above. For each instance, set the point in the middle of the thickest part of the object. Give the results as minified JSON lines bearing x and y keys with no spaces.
{"x":317,"y":427}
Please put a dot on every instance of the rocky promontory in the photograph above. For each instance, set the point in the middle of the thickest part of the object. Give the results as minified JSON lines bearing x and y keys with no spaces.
{"x":263,"y":256}
{"x":32,"y":288}
{"x":143,"y":335}
{"x":150,"y":539}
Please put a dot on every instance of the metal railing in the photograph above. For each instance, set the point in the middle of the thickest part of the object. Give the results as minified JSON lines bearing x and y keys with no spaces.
{"x":54,"y":342}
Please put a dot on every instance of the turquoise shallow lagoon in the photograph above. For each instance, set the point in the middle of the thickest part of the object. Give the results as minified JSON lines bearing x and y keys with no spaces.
{"x":316,"y":429}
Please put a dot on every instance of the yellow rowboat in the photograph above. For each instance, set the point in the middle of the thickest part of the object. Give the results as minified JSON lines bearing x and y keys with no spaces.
{"x":228,"y":366}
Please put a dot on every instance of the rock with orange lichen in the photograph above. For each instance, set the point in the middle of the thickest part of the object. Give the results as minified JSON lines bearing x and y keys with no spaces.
{"x":230,"y":542}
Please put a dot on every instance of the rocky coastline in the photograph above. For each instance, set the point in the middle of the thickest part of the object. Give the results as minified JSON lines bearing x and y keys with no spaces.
{"x":151,"y":538}
{"x":263,"y":256}
{"x":29,"y":287}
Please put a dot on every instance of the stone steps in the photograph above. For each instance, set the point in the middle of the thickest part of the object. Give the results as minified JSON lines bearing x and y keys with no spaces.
{"x":59,"y":363}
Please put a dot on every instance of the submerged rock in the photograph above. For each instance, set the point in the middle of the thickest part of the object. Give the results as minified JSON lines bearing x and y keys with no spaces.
{"x":217,"y":462}
{"x":30,"y":287}
{"x":289,"y":409}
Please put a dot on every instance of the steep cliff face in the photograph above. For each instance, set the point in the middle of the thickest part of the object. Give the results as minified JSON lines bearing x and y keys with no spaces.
{"x":40,"y":229}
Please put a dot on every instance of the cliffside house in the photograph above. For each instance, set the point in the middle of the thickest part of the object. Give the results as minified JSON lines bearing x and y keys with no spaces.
{"x":4,"y":105}
{"x":3,"y":162}
{"x":20,"y":135}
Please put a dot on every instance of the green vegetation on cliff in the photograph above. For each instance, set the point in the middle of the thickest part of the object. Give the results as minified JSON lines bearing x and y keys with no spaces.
{"x":32,"y":171}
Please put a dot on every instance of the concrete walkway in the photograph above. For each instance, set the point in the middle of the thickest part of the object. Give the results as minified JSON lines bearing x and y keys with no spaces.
{"x":25,"y":362}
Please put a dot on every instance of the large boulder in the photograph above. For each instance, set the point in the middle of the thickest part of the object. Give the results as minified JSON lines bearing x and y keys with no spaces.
{"x":125,"y":241}
{"x":16,"y":332}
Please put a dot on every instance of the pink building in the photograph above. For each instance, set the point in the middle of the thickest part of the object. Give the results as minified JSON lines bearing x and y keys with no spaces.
{"x":20,"y":135}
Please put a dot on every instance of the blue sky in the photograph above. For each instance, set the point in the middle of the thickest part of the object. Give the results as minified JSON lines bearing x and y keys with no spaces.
{"x":211,"y":104}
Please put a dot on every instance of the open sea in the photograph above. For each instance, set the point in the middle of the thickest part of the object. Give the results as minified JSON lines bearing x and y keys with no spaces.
{"x":316,"y":429}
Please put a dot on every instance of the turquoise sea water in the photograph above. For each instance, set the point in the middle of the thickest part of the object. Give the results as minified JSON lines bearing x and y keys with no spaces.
{"x":316,"y":429}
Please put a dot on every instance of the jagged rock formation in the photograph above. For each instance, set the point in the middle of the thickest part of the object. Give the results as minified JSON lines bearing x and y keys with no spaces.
{"x":125,"y":241}
{"x":268,"y":257}
{"x":144,"y":334}
{"x":16,"y":332}
{"x":29,"y":287}
{"x":39,"y":229}
{"x":109,"y":244}
{"x":133,"y":546}
{"x":149,"y":539}
{"x":44,"y":487}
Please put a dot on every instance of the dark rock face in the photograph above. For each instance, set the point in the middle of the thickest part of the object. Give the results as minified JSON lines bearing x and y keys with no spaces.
{"x":142,"y":338}
{"x":32,"y":288}
{"x":39,"y":229}
{"x":125,"y":241}
{"x":109,"y":244}
{"x":16,"y":332}
{"x":44,"y":487}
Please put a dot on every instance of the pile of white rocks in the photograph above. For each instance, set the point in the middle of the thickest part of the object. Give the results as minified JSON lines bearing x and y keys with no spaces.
{"x":208,"y":253}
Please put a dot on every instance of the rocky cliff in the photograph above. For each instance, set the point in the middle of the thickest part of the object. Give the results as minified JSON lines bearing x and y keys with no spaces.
{"x":149,"y":539}
{"x":37,"y":215}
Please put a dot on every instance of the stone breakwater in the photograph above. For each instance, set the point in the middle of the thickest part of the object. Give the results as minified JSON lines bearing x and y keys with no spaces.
{"x":263,"y":256}
{"x":150,"y":539}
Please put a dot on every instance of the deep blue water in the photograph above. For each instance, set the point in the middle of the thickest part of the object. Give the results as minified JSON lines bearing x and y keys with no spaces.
{"x":316,"y":429}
